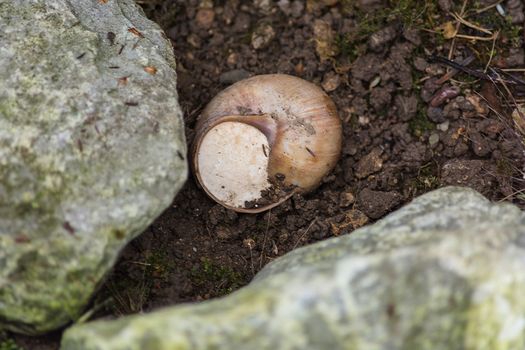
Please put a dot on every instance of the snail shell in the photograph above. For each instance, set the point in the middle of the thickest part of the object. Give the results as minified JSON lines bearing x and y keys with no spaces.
{"x":261,"y":129}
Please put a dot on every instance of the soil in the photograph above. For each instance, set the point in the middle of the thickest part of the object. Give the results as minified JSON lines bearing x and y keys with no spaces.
{"x":409,"y":127}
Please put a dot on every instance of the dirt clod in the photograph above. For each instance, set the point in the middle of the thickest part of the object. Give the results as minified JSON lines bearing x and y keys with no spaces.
{"x":406,"y":106}
{"x":478,"y":174}
{"x":369,"y":164}
{"x":376,"y":204}
{"x":351,"y":220}
{"x":381,"y":38}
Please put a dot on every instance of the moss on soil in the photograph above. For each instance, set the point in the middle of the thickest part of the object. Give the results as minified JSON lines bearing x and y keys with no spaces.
{"x":224,"y":278}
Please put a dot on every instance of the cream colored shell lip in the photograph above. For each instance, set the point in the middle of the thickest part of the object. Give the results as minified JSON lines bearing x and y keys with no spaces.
{"x":298,"y":119}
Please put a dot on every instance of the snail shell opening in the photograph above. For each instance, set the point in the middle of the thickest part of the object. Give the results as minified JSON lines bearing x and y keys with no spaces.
{"x":233,"y":163}
{"x":263,"y":139}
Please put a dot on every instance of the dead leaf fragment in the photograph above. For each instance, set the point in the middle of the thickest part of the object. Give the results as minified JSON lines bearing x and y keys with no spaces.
{"x":479,"y":105}
{"x":519,"y":118}
{"x":459,"y":132}
{"x":448,"y":29}
{"x":352,"y":220}
{"x":135,"y":32}
{"x":22,"y":238}
{"x":123,"y":80}
{"x":102,"y":1}
{"x":151,"y":70}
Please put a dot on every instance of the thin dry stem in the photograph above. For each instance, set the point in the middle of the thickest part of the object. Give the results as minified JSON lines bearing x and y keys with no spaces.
{"x":473,"y":37}
{"x":491,"y":6}
{"x":469,"y":24}
{"x":496,"y":35}
{"x":304,"y":234}
{"x":264,"y":239}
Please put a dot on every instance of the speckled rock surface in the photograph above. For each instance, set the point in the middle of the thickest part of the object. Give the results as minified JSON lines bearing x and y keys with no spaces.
{"x":445,"y":272}
{"x":91,"y":149}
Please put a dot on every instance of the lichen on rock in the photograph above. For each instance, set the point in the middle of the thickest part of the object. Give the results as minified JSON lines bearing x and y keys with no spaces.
{"x":92,"y":149}
{"x":446,"y":271}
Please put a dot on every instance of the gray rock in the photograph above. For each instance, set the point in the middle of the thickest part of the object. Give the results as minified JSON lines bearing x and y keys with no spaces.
{"x":91,"y":149}
{"x":445,"y":272}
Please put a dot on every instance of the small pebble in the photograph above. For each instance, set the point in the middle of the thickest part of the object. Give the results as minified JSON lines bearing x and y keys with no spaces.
{"x":346,"y":199}
{"x":331,"y":81}
{"x":299,"y":68}
{"x":443,"y":126}
{"x":297,"y":9}
{"x":363,"y":120}
{"x":433,"y":139}
{"x":451,"y":110}
{"x":262,"y":36}
{"x":291,"y":8}
{"x":501,"y":10}
{"x":233,"y":76}
{"x":375,"y":82}
{"x":205,"y":18}
{"x":463,"y":104}
{"x":435,"y":114}
{"x":232,"y":59}
{"x":194,"y":40}
{"x":264,"y":6}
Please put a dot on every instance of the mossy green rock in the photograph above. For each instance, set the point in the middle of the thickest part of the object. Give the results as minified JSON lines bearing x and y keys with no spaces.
{"x":445,"y":272}
{"x":91,"y":149}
